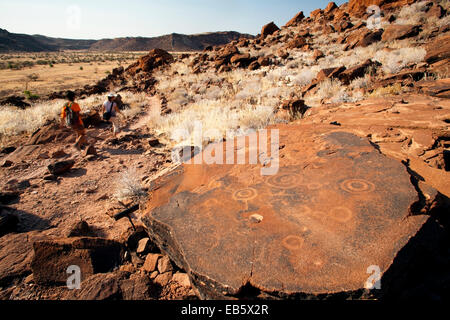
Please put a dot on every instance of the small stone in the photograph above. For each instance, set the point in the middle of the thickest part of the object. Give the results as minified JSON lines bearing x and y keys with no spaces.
{"x":135,"y":260}
{"x":164,"y":265}
{"x":163,"y":279}
{"x":60,"y":167}
{"x":256,"y":218}
{"x":182,"y":278}
{"x":58,"y":154}
{"x":151,"y":262}
{"x":128,"y":268}
{"x":154,"y":274}
{"x":90,"y":151}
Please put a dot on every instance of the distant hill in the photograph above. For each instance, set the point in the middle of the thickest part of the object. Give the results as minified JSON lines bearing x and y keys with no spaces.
{"x":15,"y":42}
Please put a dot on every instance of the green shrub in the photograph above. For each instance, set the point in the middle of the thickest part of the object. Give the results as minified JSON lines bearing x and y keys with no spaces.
{"x":30,"y":96}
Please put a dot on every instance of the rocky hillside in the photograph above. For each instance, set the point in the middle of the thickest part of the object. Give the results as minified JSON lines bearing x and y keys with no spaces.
{"x":14,"y":42}
{"x":361,"y":188}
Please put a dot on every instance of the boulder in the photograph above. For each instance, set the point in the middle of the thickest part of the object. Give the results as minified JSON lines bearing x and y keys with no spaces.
{"x":324,"y":211}
{"x":435,"y":11}
{"x":58,"y":154}
{"x":296,"y":107}
{"x":92,"y":118}
{"x":89,"y":151}
{"x":329,"y":73}
{"x":143,"y":246}
{"x":243,"y":58}
{"x":297,"y":42}
{"x":355,"y":72}
{"x":151,"y":262}
{"x":154,"y":59}
{"x":318,"y":54}
{"x":254,"y":65}
{"x":60,"y":167}
{"x":264,"y":61}
{"x":296,"y":19}
{"x":163,"y":279}
{"x":316,"y":14}
{"x":357,"y":8}
{"x":182,"y":278}
{"x":330,"y":7}
{"x":92,"y":255}
{"x":269,"y":29}
{"x":363,"y":38}
{"x":47,"y":134}
{"x":399,"y":32}
{"x":164,"y":265}
{"x":343,"y":25}
{"x":439,"y":49}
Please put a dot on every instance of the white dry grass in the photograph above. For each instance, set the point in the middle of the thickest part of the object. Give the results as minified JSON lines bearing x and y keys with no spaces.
{"x":216,"y":120}
{"x":128,"y":186}
{"x":412,"y":14}
{"x":396,"y":60}
{"x":14,"y":121}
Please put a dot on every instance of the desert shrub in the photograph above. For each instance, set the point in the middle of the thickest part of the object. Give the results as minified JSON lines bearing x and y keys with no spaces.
{"x":128,"y":186}
{"x":305,"y":76}
{"x":215,"y":118}
{"x":15,"y":121}
{"x":395,"y":61}
{"x":361,"y":83}
{"x":30,"y":96}
{"x":413,"y":14}
{"x":395,"y":89}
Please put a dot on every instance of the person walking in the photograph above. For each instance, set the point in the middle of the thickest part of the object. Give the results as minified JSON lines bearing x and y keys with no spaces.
{"x":71,"y":118}
{"x":111,"y":112}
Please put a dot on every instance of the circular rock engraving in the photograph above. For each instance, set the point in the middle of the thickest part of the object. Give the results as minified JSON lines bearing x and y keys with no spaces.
{"x":357,"y":186}
{"x":284,"y":181}
{"x":292,"y":242}
{"x":341,"y":214}
{"x":314,"y":186}
{"x":245,"y":194}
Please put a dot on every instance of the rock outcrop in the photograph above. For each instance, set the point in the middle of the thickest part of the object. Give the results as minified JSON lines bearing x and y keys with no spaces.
{"x":309,"y":229}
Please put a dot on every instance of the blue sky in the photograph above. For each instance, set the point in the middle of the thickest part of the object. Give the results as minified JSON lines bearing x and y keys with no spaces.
{"x":96,"y":19}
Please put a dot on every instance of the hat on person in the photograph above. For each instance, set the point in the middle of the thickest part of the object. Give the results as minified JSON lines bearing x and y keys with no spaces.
{"x":111,"y":95}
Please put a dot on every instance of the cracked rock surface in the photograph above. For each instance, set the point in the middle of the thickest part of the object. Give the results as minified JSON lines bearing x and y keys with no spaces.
{"x":336,"y":206}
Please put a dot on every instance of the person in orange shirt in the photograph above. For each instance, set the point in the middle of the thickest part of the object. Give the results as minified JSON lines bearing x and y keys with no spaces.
{"x":71,"y":117}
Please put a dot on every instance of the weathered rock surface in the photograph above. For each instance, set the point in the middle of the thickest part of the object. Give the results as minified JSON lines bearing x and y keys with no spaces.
{"x":154,"y":59}
{"x":269,"y":29}
{"x":399,"y":32}
{"x":327,"y":215}
{"x":359,"y":7}
{"x":60,"y":167}
{"x":296,"y":19}
{"x":92,"y":255}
